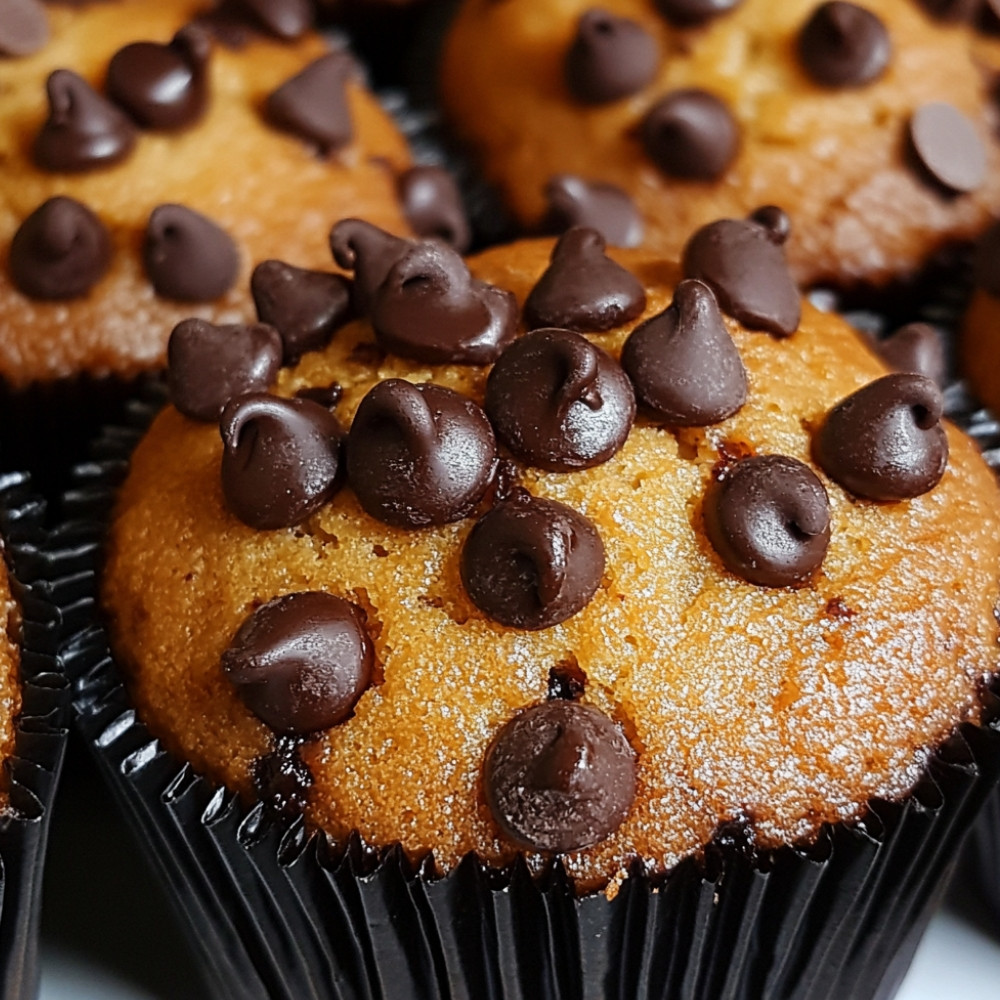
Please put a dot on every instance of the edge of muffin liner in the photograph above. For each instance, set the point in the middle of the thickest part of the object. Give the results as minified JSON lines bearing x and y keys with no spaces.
{"x":273,"y":911}
{"x":43,"y":582}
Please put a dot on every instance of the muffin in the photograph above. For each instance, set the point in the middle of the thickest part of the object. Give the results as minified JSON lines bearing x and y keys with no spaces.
{"x":527,"y":644}
{"x":873,"y":125}
{"x":978,"y":341}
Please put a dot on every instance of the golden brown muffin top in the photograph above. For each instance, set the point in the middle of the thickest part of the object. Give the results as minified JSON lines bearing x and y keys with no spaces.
{"x":781,"y":706}
{"x":266,"y":188}
{"x":837,"y":156}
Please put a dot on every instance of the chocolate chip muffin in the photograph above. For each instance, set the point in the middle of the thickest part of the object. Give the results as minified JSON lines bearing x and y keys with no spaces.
{"x":978,"y":343}
{"x":568,"y":552}
{"x":872,"y":124}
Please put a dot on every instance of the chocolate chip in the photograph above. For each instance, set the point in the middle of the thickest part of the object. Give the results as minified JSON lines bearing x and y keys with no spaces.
{"x":986,"y":266}
{"x":301,"y":662}
{"x":282,"y":779}
{"x":431,"y":309}
{"x":885,"y":441}
{"x":775,"y":220}
{"x":531,"y":562}
{"x":419,"y":455}
{"x":567,"y":680}
{"x":951,"y":10}
{"x":313,"y":104}
{"x":60,"y":251}
{"x":688,"y":12}
{"x":433,"y":205}
{"x":559,"y":777}
{"x":188,"y":257}
{"x":691,"y":134}
{"x":559,"y":402}
{"x":683,"y":362}
{"x":163,"y":86}
{"x":24,"y":27}
{"x":326,"y":395}
{"x":744,"y":264}
{"x":948,"y":147}
{"x":305,"y":307}
{"x":610,"y":58}
{"x":285,"y":19}
{"x":573,"y":201}
{"x":768,"y":518}
{"x":917,"y":348}
{"x":209,"y":365}
{"x":582,"y":289}
{"x":844,"y":45}
{"x":281,"y":459}
{"x":369,"y":252}
{"x":83,"y":131}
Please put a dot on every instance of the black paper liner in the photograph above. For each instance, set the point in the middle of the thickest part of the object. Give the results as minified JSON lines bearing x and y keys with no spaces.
{"x":274,"y":911}
{"x":41,"y":581}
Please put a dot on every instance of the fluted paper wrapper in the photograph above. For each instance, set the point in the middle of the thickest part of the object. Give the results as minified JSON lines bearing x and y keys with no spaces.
{"x":275,"y":911}
{"x":40,"y":582}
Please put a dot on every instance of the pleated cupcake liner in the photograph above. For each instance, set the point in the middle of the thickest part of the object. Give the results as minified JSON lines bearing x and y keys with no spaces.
{"x":40,"y":582}
{"x":276,"y":911}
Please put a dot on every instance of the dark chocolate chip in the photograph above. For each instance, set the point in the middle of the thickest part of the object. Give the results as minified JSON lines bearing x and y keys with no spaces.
{"x":951,"y":10}
{"x":744,"y":264}
{"x":83,"y":131}
{"x":282,"y":779}
{"x":573,"y":201}
{"x":559,"y":777}
{"x":285,"y":19}
{"x":433,"y":206}
{"x":559,"y":402}
{"x":60,"y":251}
{"x":986,"y":266}
{"x":419,"y":455}
{"x":369,"y":252}
{"x":768,"y":518}
{"x":844,"y":45}
{"x":24,"y":27}
{"x":281,"y":459}
{"x":305,"y":307}
{"x":610,"y":58}
{"x":691,"y":134}
{"x":301,"y":662}
{"x":582,"y":289}
{"x":531,"y":562}
{"x":187,"y":256}
{"x":567,"y":680}
{"x":209,"y":365}
{"x":775,"y":220}
{"x":683,"y":362}
{"x":916,"y":347}
{"x":313,"y":104}
{"x":163,"y":86}
{"x":948,"y":146}
{"x":688,"y":12}
{"x":326,"y":395}
{"x":885,"y":441}
{"x":430,"y":308}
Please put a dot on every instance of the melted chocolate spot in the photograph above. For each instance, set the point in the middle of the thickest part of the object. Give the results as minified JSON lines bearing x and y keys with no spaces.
{"x":688,"y":12}
{"x":844,"y":45}
{"x":559,"y":777}
{"x":313,"y":104}
{"x":683,"y":362}
{"x":948,"y":147}
{"x":163,"y":86}
{"x":582,"y":289}
{"x":604,"y":207}
{"x":916,"y":348}
{"x":326,"y":395}
{"x":768,"y":518}
{"x":419,"y":455}
{"x":24,"y":27}
{"x":301,"y":662}
{"x":188,"y":257}
{"x":986,"y":266}
{"x":531,"y":563}
{"x":559,"y":402}
{"x":209,"y":365}
{"x":282,"y":779}
{"x":281,"y":459}
{"x":610,"y":58}
{"x":567,"y":680}
{"x":430,"y":308}
{"x":433,"y":206}
{"x":305,"y":307}
{"x":885,"y":441}
{"x":369,"y":252}
{"x":285,"y":19}
{"x":60,"y":251}
{"x":744,"y":264}
{"x":691,"y":134}
{"x":83,"y":130}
